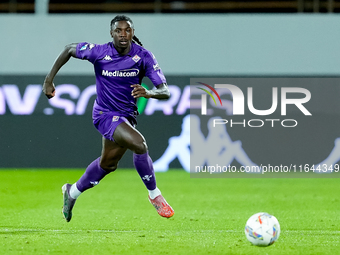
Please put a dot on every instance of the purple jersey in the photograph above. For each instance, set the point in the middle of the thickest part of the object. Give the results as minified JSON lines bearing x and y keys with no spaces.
{"x":116,"y":73}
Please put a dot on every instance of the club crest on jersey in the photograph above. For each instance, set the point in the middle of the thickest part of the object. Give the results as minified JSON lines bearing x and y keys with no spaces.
{"x":136,"y":58}
{"x":107,"y":57}
{"x":115,"y":118}
{"x":91,"y":46}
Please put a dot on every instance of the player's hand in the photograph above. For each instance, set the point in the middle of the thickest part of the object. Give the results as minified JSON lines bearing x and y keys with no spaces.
{"x":49,"y":89}
{"x":140,"y":91}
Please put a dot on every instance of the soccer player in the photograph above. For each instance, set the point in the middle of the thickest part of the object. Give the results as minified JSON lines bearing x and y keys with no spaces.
{"x":119,"y":68}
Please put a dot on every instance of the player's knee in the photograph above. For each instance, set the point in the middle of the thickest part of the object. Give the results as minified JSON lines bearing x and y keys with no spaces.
{"x":108,"y":166}
{"x":140,"y":147}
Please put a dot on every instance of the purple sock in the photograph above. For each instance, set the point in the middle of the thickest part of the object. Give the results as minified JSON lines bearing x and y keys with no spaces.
{"x":143,"y":164}
{"x":93,"y":174}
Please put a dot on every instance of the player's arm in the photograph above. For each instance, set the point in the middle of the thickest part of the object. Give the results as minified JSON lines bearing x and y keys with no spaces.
{"x":161,"y":91}
{"x":68,"y":52}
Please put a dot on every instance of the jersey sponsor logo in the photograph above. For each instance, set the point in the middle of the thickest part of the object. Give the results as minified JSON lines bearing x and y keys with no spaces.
{"x":107,"y":57}
{"x":121,"y":73}
{"x":136,"y":58}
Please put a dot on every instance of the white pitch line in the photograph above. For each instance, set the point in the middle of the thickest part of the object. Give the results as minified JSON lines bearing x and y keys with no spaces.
{"x":4,"y":230}
{"x":109,"y":231}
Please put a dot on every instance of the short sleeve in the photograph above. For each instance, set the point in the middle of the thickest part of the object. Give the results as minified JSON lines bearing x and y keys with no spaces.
{"x":88,"y":51}
{"x":152,"y":69}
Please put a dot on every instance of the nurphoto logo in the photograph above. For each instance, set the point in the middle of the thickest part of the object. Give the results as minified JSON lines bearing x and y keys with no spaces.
{"x":239,"y":105}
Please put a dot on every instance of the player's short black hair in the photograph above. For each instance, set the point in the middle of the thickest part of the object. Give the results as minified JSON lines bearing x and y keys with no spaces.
{"x":125,"y":18}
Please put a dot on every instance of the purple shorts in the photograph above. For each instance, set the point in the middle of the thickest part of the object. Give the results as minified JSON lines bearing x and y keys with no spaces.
{"x":107,"y":122}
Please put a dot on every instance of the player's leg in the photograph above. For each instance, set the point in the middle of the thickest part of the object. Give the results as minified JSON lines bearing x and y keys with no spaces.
{"x":127,"y":136}
{"x":108,"y":162}
{"x":96,"y":171}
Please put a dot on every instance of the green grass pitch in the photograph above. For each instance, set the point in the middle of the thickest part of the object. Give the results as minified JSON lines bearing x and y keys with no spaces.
{"x":116,"y":217}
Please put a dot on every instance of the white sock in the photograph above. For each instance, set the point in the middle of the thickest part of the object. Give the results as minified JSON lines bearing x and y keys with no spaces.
{"x":154,"y":193}
{"x":74,"y":192}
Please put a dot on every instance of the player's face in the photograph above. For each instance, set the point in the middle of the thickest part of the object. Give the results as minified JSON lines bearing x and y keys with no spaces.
{"x":122,"y":33}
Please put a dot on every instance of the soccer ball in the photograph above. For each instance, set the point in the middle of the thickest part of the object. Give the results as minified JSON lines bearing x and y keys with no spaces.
{"x":262,"y":229}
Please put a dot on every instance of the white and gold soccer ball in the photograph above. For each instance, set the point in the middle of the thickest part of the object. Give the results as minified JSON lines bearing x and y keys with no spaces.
{"x":262,"y":229}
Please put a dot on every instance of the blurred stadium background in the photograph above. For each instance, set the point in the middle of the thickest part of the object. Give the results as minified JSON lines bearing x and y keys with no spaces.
{"x":242,"y":39}
{"x":259,"y":44}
